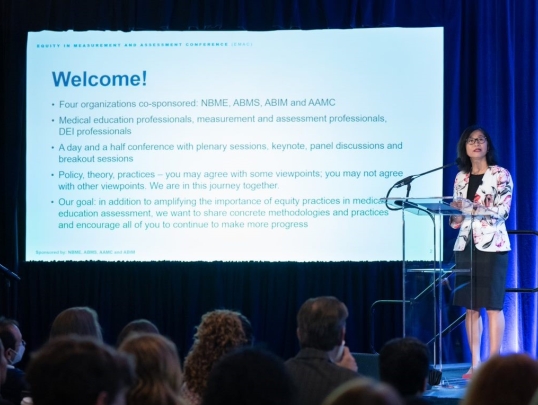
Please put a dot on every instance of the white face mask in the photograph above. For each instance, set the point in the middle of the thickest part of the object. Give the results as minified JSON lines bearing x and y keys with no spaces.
{"x":20,"y":353}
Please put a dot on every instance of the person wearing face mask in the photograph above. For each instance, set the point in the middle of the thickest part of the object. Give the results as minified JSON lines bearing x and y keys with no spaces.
{"x":14,"y":347}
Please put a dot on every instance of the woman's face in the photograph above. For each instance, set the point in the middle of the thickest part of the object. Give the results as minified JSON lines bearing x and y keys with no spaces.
{"x":477,"y":145}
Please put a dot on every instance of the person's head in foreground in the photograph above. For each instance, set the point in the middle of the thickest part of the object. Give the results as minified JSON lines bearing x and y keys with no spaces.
{"x":321,"y":323}
{"x":364,"y":391}
{"x":249,"y":376}
{"x":158,"y":370}
{"x":219,"y":332}
{"x":80,"y":321}
{"x":404,"y":364}
{"x":77,"y":370}
{"x":136,"y":326}
{"x":504,"y":379}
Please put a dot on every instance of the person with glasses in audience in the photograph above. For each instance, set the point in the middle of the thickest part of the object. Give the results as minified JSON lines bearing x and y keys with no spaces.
{"x":483,"y":191}
{"x":14,"y":347}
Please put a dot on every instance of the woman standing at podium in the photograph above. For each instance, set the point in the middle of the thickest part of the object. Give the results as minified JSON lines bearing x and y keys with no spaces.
{"x":483,"y":191}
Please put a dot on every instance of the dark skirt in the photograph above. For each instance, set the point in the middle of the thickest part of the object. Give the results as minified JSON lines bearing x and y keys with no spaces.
{"x":489,"y":279}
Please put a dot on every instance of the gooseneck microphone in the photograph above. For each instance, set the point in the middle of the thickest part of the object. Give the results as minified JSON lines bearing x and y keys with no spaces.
{"x":409,"y":179}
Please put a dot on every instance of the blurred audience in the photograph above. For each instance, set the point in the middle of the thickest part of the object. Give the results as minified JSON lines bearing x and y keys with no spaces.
{"x":14,"y":347}
{"x":78,"y":370}
{"x":219,"y":332}
{"x":364,"y":391}
{"x":249,"y":376}
{"x":75,"y":367}
{"x":404,"y":363}
{"x":504,"y":379}
{"x":138,"y":325}
{"x":324,"y":362}
{"x":158,"y":370}
{"x":80,"y":321}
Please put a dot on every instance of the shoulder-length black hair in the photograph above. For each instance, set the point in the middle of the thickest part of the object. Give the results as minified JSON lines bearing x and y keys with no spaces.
{"x":463,"y":159}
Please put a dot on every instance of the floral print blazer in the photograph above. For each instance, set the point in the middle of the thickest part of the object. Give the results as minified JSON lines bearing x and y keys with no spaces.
{"x":495,"y":193}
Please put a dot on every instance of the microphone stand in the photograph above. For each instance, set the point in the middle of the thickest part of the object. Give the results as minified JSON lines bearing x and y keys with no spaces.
{"x":6,"y":300}
{"x":9,"y":274}
{"x":409,"y":179}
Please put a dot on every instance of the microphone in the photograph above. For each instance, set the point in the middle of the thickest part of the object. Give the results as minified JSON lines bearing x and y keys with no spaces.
{"x":409,"y":179}
{"x":9,"y":274}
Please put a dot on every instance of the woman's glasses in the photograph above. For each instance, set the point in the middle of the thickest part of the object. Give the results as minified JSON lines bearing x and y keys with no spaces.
{"x":473,"y":141}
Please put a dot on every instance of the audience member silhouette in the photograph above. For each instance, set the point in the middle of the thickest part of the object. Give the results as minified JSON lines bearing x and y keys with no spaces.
{"x":136,"y":326}
{"x":364,"y":391}
{"x":158,"y":370}
{"x":503,"y":379}
{"x":80,"y":321}
{"x":3,"y":372}
{"x":14,"y":347}
{"x":79,"y":370}
{"x":249,"y":376}
{"x":323,"y":363}
{"x":404,"y":363}
{"x":219,"y":332}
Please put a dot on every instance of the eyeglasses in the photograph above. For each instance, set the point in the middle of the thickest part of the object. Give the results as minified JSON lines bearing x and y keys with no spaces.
{"x":473,"y":141}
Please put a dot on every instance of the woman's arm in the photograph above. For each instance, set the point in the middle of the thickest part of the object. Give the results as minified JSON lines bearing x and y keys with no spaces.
{"x":497,"y":203}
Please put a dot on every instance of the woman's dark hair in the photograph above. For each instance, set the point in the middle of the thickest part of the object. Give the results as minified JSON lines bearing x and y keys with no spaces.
{"x":464,"y":160}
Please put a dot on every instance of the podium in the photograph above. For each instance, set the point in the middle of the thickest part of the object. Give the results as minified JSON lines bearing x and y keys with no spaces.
{"x":428,"y":262}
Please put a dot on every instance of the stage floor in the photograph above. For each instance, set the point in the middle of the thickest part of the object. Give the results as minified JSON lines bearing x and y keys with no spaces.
{"x":452,"y":387}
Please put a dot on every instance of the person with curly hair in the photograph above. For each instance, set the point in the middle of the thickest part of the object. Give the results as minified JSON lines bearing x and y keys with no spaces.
{"x":158,"y":370}
{"x":219,"y":332}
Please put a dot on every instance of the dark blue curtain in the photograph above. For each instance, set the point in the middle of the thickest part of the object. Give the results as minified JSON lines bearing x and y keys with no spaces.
{"x":490,"y":78}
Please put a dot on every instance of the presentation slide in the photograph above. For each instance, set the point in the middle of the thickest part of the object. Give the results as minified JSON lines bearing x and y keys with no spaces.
{"x":229,"y":146}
